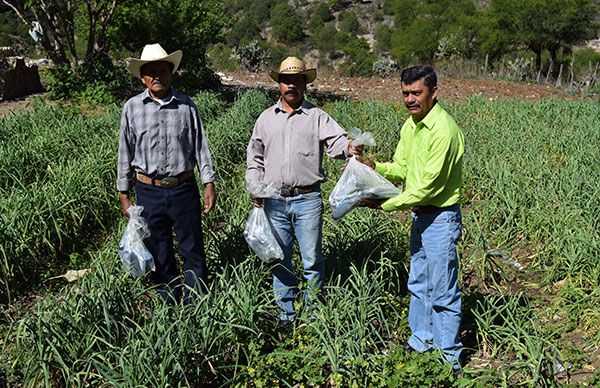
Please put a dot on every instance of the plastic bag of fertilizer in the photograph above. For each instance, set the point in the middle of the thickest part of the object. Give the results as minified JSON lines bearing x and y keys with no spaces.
{"x":134,"y":255}
{"x":260,"y":236}
{"x":358,"y":181}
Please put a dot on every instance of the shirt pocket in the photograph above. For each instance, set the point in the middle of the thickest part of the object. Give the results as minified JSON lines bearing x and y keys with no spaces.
{"x":306,"y":144}
{"x":183,"y":135}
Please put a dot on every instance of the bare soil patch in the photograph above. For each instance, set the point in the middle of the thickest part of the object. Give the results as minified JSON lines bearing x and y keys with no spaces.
{"x":14,"y":106}
{"x":388,"y":90}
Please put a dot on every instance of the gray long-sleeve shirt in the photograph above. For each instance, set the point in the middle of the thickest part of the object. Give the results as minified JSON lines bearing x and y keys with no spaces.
{"x":165,"y":139}
{"x":287,"y":149}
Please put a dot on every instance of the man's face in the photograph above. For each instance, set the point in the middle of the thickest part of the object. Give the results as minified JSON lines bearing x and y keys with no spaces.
{"x":292,"y":87}
{"x":157,"y":77}
{"x":418,"y":98}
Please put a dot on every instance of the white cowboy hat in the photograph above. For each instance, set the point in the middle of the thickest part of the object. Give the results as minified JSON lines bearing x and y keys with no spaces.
{"x":292,"y":65}
{"x":153,"y":53}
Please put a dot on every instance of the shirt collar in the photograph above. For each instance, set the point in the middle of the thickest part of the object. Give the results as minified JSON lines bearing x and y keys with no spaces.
{"x":431,"y":117}
{"x":173,"y":95}
{"x":301,"y":109}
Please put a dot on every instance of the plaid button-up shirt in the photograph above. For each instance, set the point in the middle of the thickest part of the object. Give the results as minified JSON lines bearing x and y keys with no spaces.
{"x":161,"y":139}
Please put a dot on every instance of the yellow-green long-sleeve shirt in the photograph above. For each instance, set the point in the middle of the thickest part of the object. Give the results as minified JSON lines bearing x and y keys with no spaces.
{"x":428,"y":159}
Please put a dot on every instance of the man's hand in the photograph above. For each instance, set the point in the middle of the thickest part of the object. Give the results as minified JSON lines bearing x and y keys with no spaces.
{"x":125,"y":203}
{"x":257,"y":202}
{"x":210,"y":197}
{"x":366,"y":162}
{"x":355,"y":150}
{"x":372,"y":203}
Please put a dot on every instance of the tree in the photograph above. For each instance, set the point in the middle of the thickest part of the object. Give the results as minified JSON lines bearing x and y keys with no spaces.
{"x":549,"y":25}
{"x":190,"y":26}
{"x":286,"y":24}
{"x":58,"y":26}
{"x":422,"y":24}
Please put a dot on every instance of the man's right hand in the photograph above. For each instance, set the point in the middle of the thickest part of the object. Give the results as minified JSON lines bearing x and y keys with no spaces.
{"x":366,"y":162}
{"x":125,"y":204}
{"x":257,"y":202}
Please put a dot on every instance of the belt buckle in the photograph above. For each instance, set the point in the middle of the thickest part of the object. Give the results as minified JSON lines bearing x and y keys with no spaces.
{"x":286,"y":192}
{"x":169,"y":182}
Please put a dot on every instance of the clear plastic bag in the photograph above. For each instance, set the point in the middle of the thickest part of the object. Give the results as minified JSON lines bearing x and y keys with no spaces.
{"x":134,"y":255}
{"x":262,"y":189}
{"x":361,"y":138}
{"x":261,"y":238}
{"x":358,"y":181}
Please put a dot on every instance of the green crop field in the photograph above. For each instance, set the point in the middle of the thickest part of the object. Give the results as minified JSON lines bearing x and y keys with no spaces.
{"x":530,"y":260}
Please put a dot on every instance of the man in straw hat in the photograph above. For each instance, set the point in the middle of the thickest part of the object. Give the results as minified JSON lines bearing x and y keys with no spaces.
{"x":286,"y":150}
{"x":161,"y":139}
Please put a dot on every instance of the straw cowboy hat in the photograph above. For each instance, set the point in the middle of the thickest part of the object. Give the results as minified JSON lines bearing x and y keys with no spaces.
{"x":292,"y":65}
{"x":153,"y":53}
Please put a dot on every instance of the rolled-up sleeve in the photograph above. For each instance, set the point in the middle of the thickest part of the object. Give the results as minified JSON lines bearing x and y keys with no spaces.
{"x":334,"y":136}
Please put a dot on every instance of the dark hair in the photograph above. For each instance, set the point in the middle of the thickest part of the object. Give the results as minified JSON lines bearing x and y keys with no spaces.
{"x":415,"y":73}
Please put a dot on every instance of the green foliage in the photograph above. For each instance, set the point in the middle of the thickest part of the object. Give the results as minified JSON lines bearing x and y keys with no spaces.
{"x":359,"y":60}
{"x":94,"y":82}
{"x":348,"y":22}
{"x":56,"y":180}
{"x":242,"y":31}
{"x":209,"y":105}
{"x":322,"y":38}
{"x":195,"y":25}
{"x":321,"y":15}
{"x":279,"y":52}
{"x":252,"y":56}
{"x":585,"y":61}
{"x":12,"y":30}
{"x":415,"y":38}
{"x":108,"y":329}
{"x":547,"y":25}
{"x":384,"y":67}
{"x":221,"y":57}
{"x":417,"y":370}
{"x":286,"y":24}
{"x":383,"y":38}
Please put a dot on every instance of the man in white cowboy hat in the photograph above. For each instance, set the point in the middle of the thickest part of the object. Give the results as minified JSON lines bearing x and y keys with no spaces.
{"x":161,"y":140}
{"x":286,"y":150}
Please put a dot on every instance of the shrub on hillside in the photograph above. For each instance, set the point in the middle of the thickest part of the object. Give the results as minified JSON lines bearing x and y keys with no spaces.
{"x":358,"y":60}
{"x":321,"y":15}
{"x":384,"y":67}
{"x":286,"y":24}
{"x":252,"y":56}
{"x":348,"y":22}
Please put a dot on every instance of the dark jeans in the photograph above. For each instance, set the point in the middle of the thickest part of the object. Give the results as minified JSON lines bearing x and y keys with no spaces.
{"x":167,"y":210}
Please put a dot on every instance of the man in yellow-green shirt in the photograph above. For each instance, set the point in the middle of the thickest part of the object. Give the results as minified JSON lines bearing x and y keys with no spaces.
{"x":428,"y":159}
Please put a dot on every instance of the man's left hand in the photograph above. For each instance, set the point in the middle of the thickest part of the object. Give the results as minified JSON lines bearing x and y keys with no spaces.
{"x":210,"y":197}
{"x":372,"y":203}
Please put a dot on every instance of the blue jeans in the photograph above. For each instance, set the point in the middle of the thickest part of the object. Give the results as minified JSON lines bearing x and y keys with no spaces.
{"x":299,"y":216}
{"x":435,"y":303}
{"x":167,"y":210}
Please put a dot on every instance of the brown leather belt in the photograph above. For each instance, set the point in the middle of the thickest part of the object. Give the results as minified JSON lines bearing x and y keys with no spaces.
{"x":167,"y":182}
{"x":297,"y":190}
